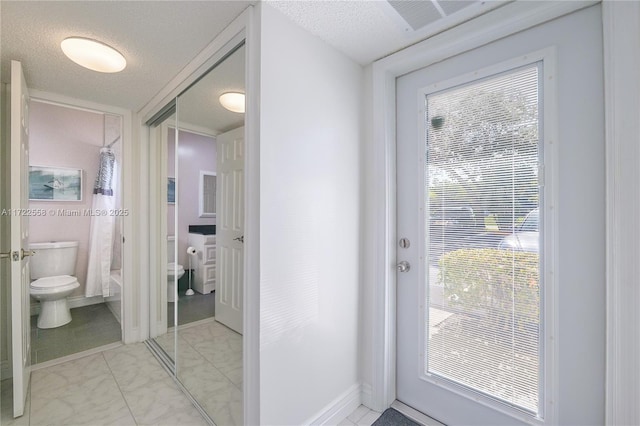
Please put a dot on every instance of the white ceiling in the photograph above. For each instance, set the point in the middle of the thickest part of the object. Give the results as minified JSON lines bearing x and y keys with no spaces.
{"x":367,"y":30}
{"x":159,"y":38}
{"x":199,"y":105}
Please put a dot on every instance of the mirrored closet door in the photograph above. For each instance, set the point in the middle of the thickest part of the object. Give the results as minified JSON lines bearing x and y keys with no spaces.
{"x":200,"y":294}
{"x":165,"y":276}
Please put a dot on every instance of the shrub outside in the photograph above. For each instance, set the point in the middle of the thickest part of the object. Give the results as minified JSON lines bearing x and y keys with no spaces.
{"x":493,"y":284}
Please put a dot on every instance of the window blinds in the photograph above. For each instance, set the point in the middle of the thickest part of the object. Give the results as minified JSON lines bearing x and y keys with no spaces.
{"x":483,"y":329}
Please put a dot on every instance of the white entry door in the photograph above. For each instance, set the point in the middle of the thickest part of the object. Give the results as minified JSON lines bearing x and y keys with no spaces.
{"x":20,"y":301}
{"x":500,"y":191}
{"x":230,"y":229}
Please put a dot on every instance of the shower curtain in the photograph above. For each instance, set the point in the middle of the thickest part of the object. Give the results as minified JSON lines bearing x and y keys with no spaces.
{"x":102,"y":226}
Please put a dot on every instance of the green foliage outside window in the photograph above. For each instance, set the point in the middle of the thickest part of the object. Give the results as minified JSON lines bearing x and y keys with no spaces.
{"x":488,"y":282}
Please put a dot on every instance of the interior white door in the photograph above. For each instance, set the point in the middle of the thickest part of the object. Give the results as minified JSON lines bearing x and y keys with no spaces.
{"x":469,"y":387}
{"x":230,"y":229}
{"x":20,"y":313}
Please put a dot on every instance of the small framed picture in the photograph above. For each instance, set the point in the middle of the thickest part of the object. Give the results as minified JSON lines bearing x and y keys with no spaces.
{"x":55,"y":184}
{"x":171,"y":190}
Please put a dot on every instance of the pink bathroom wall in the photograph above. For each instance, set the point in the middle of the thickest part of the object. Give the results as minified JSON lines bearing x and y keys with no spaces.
{"x":195,"y":153}
{"x":71,"y":138}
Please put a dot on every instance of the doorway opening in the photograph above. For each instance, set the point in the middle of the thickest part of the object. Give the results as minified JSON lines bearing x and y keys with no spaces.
{"x":75,"y":160}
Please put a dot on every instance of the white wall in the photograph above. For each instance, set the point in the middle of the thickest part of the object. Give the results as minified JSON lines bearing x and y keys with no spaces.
{"x":310,"y":135}
{"x":196,"y":153}
{"x":66,"y":137}
{"x":368,"y":253}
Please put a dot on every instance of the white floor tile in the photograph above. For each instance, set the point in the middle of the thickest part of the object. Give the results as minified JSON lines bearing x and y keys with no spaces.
{"x":133,"y":366}
{"x":127,"y":385}
{"x":161,"y":403}
{"x":358,"y":414}
{"x":369,"y":418}
{"x":346,"y":422}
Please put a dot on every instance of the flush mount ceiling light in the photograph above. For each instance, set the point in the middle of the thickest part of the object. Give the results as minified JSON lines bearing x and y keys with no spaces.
{"x":93,"y":54}
{"x":233,"y":101}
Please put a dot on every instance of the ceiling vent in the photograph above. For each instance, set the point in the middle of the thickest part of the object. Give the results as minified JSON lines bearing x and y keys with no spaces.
{"x":432,"y":16}
{"x":417,"y":14}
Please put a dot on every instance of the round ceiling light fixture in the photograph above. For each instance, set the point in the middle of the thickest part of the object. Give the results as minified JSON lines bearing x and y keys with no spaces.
{"x":233,"y":101}
{"x":93,"y":54}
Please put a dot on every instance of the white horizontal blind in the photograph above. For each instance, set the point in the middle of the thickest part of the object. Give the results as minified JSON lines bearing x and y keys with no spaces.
{"x":482,"y":237}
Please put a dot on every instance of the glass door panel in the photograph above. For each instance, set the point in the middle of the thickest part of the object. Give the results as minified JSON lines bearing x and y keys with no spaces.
{"x":482,"y":233}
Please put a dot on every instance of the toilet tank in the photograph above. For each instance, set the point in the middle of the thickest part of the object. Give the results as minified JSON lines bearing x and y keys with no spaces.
{"x":53,"y":258}
{"x":171,"y":247}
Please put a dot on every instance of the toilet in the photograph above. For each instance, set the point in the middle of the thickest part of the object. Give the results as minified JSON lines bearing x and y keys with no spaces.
{"x":175,"y":271}
{"x":52,"y":268}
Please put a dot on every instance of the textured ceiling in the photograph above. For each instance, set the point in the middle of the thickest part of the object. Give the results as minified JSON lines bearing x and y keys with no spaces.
{"x":360,"y":29}
{"x":369,"y":30}
{"x":158,"y":38}
{"x":199,"y":105}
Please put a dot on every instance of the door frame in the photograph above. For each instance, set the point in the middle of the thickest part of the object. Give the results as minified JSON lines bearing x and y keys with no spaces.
{"x":379,"y":255}
{"x":545,"y":59}
{"x":129,"y":326}
{"x":244,"y":28}
{"x":621,"y":24}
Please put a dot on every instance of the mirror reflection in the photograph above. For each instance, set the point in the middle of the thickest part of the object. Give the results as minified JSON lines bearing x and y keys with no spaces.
{"x":164,"y":295}
{"x":204,"y":165}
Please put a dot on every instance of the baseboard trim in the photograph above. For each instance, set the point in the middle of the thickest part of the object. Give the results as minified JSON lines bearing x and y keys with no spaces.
{"x":367,"y":395}
{"x":75,"y":356}
{"x":131,"y":335}
{"x":340,"y":408}
{"x":192,"y":324}
{"x":74,"y":302}
{"x":6,"y":372}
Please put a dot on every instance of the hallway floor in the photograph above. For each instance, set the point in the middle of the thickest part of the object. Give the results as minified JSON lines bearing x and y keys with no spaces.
{"x":209,"y":365}
{"x":127,"y":386}
{"x":122,"y":386}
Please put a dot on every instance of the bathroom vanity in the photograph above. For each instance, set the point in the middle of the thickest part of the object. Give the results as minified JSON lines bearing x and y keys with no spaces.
{"x":203,"y":239}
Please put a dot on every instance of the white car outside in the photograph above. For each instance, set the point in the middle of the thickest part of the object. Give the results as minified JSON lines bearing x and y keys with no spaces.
{"x":527,"y":237}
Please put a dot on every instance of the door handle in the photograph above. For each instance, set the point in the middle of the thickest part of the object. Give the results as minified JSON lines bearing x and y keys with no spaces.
{"x":240,"y":238}
{"x":26,"y":253}
{"x":404,"y":266}
{"x":5,"y":255}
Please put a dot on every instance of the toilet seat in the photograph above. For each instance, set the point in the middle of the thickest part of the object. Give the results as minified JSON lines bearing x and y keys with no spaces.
{"x":173,"y":268}
{"x":54,"y":284}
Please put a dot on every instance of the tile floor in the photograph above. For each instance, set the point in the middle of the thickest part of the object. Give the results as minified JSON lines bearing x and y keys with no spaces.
{"x":362,"y":416}
{"x":90,"y":327}
{"x":122,"y":386}
{"x":191,"y":308}
{"x":127,"y":386}
{"x":209,"y":366}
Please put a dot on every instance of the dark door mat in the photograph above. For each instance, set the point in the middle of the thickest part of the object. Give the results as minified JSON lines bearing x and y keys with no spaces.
{"x":391,"y":417}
